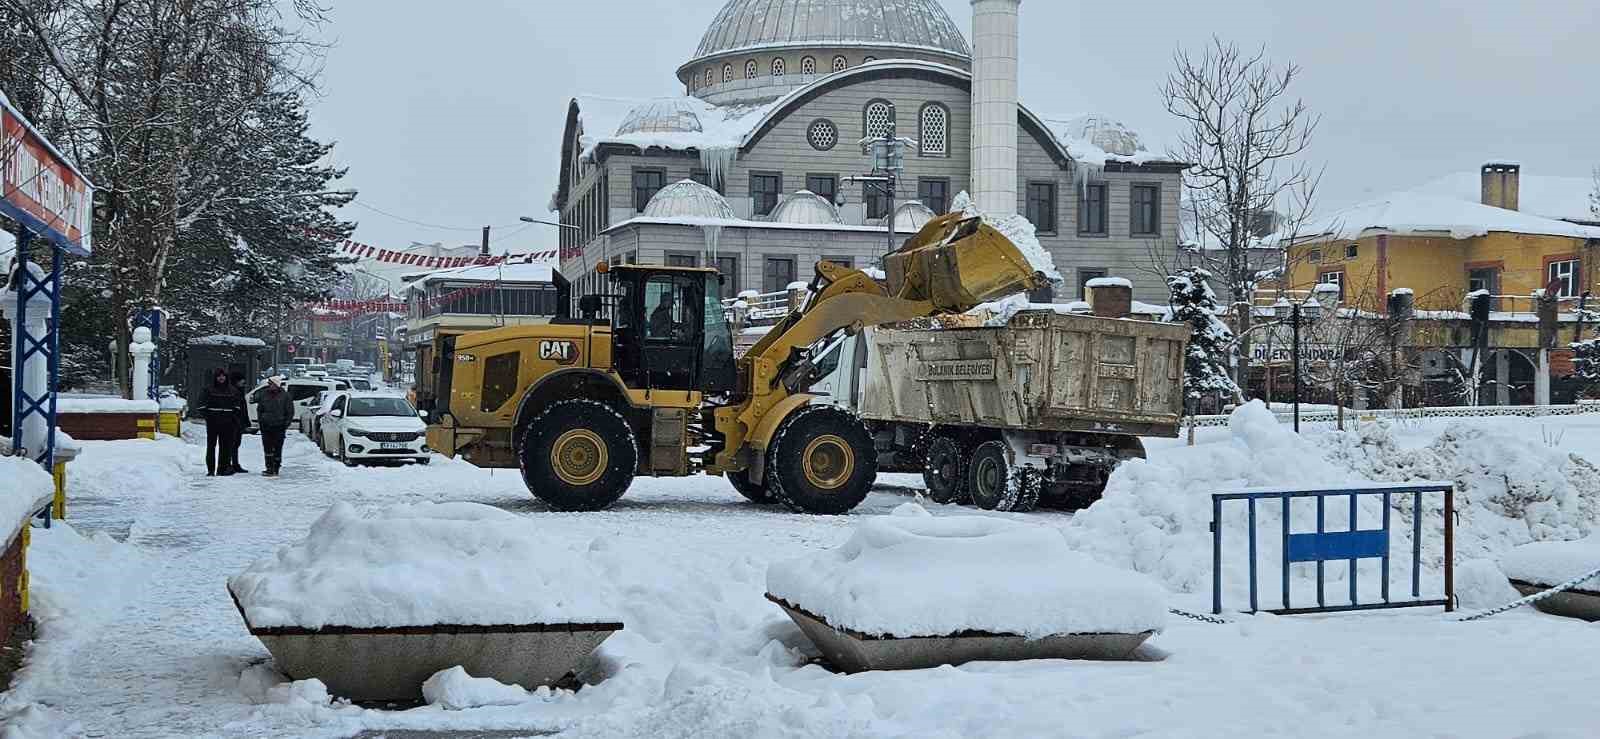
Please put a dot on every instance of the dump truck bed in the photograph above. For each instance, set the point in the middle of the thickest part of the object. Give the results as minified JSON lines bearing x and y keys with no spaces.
{"x":1043,"y":370}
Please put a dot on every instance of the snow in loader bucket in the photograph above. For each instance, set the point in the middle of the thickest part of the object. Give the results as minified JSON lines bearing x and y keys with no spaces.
{"x":1351,"y":544}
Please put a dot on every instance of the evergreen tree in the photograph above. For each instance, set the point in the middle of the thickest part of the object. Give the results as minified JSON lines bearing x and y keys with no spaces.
{"x":1206,"y":361}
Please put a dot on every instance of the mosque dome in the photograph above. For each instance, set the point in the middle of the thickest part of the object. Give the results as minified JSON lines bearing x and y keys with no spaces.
{"x":667,"y":115}
{"x":912,"y":216}
{"x":1105,"y":133}
{"x":806,"y":208}
{"x":688,"y":199}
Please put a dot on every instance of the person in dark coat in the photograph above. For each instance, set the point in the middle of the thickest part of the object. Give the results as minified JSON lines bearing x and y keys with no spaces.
{"x":219,"y":404}
{"x":274,"y":411}
{"x":241,"y":417}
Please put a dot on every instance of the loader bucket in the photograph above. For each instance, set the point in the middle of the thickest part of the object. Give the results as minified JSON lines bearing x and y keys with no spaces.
{"x":957,"y":262}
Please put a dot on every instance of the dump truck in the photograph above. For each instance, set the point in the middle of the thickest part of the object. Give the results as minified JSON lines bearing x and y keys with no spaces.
{"x":1041,"y":407}
{"x":644,"y":380}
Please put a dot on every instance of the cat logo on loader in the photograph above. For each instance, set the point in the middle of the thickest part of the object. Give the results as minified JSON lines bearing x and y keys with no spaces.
{"x":563,"y":352}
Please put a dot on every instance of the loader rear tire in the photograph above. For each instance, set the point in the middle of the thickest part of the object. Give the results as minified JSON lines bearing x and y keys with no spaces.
{"x":578,"y":455}
{"x":997,"y":483}
{"x":945,"y":472}
{"x":756,"y":493}
{"x":822,"y":460}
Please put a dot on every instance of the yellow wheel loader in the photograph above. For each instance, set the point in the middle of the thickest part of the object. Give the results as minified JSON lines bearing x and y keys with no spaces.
{"x":644,"y":381}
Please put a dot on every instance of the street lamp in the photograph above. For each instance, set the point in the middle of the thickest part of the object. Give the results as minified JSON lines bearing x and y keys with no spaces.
{"x":888,"y":162}
{"x":1296,"y":313}
{"x":526,"y":219}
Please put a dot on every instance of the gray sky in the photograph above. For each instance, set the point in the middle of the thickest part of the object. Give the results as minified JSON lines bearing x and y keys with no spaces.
{"x":452,"y":115}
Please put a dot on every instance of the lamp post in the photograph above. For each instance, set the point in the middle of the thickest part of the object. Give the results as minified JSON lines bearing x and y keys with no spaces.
{"x":888,"y":161}
{"x":1296,"y":313}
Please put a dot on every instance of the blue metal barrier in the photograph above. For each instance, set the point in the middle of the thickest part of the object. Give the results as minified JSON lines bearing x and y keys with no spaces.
{"x":1350,"y":545}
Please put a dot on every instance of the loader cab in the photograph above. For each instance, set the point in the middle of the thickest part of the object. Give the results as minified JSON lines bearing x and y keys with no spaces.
{"x":668,"y":329}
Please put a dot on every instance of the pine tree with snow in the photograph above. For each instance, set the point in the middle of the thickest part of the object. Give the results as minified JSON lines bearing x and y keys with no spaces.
{"x":1206,"y":361}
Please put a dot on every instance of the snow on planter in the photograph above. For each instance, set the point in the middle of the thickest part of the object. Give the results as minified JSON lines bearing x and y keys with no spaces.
{"x":1542,"y":564}
{"x":455,"y":690}
{"x":920,"y":575}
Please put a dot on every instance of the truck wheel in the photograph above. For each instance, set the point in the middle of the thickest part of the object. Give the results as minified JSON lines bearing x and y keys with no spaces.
{"x":578,"y":455}
{"x":997,"y":484}
{"x":822,"y":460}
{"x":756,"y":493}
{"x":945,"y":471}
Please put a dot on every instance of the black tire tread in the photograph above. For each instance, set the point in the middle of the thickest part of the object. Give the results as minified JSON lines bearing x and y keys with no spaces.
{"x":783,"y":475}
{"x":562,"y":416}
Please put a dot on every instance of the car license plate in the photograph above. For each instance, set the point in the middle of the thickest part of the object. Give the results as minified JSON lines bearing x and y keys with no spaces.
{"x":393,"y":445}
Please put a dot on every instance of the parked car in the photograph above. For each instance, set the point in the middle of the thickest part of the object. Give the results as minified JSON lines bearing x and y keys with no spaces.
{"x":303,"y":391}
{"x":373,"y":427}
{"x":357,"y":383}
{"x":309,"y":422}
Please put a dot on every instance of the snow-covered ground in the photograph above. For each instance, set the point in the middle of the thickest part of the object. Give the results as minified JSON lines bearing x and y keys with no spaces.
{"x":139,"y":637}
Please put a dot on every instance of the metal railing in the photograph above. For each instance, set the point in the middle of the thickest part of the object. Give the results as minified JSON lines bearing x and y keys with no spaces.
{"x":1350,"y":545}
{"x":1352,"y":415}
{"x":761,"y":306}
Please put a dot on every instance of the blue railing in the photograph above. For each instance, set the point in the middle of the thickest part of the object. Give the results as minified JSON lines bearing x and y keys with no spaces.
{"x":1350,"y":545}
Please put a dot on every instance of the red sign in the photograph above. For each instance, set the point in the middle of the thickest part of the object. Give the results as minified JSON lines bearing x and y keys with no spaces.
{"x":39,"y":187}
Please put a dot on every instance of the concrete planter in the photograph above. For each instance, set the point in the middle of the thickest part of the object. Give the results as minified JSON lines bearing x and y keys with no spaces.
{"x":854,"y":652}
{"x":391,"y":663}
{"x":1584,"y":604}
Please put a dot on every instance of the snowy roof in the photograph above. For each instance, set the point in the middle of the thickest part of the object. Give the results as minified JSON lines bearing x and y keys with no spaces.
{"x":1563,"y":198}
{"x":223,"y":340}
{"x":1409,"y":213}
{"x":688,"y":198}
{"x":1097,"y":138}
{"x":484,"y":273}
{"x":760,"y":24}
{"x":806,"y":207}
{"x":741,"y":223}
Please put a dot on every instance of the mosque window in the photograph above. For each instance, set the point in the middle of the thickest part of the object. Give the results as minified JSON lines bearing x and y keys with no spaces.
{"x":808,"y":65}
{"x":879,"y":119}
{"x":777,"y":67}
{"x":727,"y":73}
{"x":822,"y":134}
{"x":840,"y":63}
{"x":708,"y":76}
{"x":750,"y":69}
{"x":934,"y":133}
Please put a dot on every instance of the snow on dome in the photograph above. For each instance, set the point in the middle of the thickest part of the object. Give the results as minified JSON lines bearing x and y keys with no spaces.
{"x":744,"y":25}
{"x":1096,"y":138}
{"x":912,"y":216}
{"x":688,"y":199}
{"x":663,"y":115}
{"x":806,"y":208}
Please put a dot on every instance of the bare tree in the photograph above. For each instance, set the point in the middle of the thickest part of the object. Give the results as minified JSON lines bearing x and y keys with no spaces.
{"x":1243,"y":136}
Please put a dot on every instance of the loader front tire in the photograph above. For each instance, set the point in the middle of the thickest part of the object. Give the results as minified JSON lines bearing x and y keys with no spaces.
{"x":822,"y":460}
{"x":578,"y":455}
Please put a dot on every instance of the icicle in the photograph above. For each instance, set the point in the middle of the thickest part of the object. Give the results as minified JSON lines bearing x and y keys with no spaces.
{"x":718,"y":160}
{"x":713,"y":235}
{"x":1087,"y":172}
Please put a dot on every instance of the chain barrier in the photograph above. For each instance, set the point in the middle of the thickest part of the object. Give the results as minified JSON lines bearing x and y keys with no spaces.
{"x":1535,"y":598}
{"x":1199,"y":617}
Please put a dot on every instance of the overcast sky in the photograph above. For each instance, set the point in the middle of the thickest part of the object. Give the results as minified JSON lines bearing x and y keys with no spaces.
{"x":452,"y":114}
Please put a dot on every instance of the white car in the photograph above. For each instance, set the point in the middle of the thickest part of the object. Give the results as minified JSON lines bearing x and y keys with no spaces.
{"x":302,"y":391}
{"x":310,"y":422}
{"x":374,"y":427}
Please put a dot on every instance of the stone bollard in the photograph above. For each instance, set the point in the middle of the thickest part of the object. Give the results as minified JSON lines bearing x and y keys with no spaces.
{"x":1110,"y":297}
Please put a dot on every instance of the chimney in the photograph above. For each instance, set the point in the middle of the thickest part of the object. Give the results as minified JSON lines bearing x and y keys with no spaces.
{"x":1502,"y":184}
{"x":994,"y":105}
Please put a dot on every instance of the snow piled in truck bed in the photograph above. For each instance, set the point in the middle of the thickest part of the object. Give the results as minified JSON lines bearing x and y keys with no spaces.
{"x":1554,"y":562}
{"x":421,"y":565}
{"x":912,"y":574}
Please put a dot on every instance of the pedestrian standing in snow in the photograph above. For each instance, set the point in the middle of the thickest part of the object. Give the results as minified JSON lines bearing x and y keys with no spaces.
{"x":241,"y":417}
{"x":219,"y":404}
{"x":274,"y":412}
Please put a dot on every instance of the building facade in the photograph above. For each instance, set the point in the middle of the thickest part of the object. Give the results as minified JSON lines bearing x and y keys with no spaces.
{"x":778,"y":99}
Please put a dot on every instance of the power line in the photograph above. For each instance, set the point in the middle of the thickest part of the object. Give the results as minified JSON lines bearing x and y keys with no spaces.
{"x":424,"y":224}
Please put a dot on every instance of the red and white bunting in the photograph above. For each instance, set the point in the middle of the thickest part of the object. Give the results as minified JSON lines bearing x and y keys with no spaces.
{"x":340,"y":310}
{"x":366,"y":251}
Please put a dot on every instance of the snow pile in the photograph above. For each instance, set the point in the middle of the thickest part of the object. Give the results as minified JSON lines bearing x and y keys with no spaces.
{"x":264,"y":686}
{"x":1018,"y":229}
{"x":1109,"y":282}
{"x":105,"y":405}
{"x":912,"y":574}
{"x":28,"y":488}
{"x":455,"y":690}
{"x":1554,"y":562}
{"x":421,"y":565}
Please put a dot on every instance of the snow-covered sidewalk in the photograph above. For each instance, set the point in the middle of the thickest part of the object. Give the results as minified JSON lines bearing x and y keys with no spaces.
{"x":141,"y":639}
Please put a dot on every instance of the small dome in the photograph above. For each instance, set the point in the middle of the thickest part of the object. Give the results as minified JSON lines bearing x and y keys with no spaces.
{"x":688,"y":199}
{"x":1109,"y":135}
{"x":806,"y":208}
{"x":669,"y":115}
{"x":912,"y":216}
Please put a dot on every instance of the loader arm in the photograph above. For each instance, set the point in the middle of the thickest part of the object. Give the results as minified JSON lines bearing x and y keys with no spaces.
{"x":953,"y":264}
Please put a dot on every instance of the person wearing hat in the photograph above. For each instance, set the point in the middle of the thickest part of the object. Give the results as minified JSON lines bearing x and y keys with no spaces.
{"x":241,"y":417}
{"x":274,"y":411}
{"x":219,"y":403}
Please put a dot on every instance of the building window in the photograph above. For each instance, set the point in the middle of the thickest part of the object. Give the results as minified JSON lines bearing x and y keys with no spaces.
{"x":683,"y":260}
{"x":777,"y":67}
{"x":1084,"y":276}
{"x":1042,"y":206}
{"x":878,"y":119}
{"x":765,"y":189}
{"x":709,"y":72}
{"x":1563,"y":277}
{"x":1314,"y":256}
{"x":1145,"y":211}
{"x":1352,"y":251}
{"x":934,"y":130}
{"x":499,"y":380}
{"x":824,"y":185}
{"x":840,"y":64}
{"x":840,"y":259}
{"x":1333,"y":277}
{"x":728,"y":267}
{"x":877,"y":202}
{"x":808,"y":65}
{"x":1093,"y":210}
{"x":934,"y":192}
{"x":646,"y":183}
{"x":822,"y":134}
{"x":727,"y":73}
{"x":1486,"y":279}
{"x":777,"y":275}
{"x":750,"y":69}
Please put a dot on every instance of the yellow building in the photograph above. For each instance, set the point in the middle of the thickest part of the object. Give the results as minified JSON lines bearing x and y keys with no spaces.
{"x":1443,"y":248}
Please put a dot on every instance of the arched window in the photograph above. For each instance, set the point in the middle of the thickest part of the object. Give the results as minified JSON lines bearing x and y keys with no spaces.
{"x":750,"y":69}
{"x":840,"y":63}
{"x":727,"y":73}
{"x":808,"y":65}
{"x":877,"y":118}
{"x":709,"y":78}
{"x":933,"y":129}
{"x":777,"y":67}
{"x":868,"y":60}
